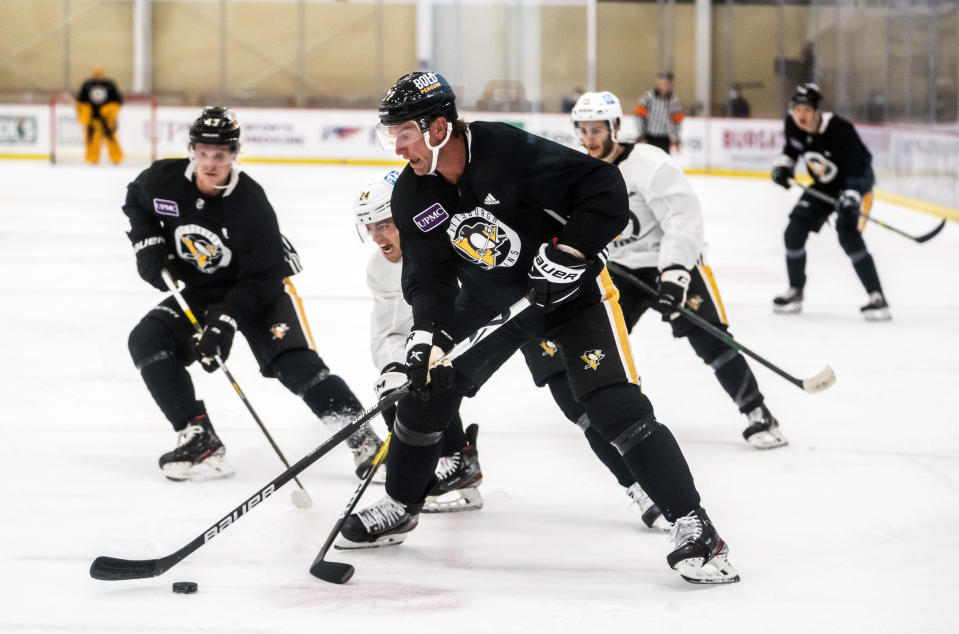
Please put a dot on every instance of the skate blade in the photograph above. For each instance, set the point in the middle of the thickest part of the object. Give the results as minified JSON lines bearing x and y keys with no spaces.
{"x":767,"y":440}
{"x":716,"y":571}
{"x":457,"y":501}
{"x":213,"y":468}
{"x":660,"y":524}
{"x":790,"y":309}
{"x":343,"y":543}
{"x":881,"y":314}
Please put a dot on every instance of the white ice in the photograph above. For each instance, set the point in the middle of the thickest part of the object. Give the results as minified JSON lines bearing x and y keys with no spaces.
{"x":852,"y":528}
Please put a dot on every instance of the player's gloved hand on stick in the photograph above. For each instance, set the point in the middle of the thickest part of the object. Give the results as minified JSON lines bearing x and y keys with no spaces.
{"x":850,"y":202}
{"x":555,"y":277}
{"x":784,"y":171}
{"x":153,"y":256}
{"x":425,"y":347}
{"x":216,"y":339}
{"x":392,"y":376}
{"x":673,"y":284}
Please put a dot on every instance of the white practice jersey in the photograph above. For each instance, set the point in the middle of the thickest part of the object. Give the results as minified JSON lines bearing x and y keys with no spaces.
{"x":392,"y":317}
{"x":666,"y":209}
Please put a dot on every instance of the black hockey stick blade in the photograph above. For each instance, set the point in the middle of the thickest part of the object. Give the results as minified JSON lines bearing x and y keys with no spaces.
{"x":332,"y":571}
{"x":111,"y":568}
{"x":820,"y":382}
{"x":932,"y":234}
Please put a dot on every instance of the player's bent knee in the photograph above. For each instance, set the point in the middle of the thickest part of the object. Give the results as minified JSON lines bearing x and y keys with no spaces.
{"x":415,"y":437}
{"x":795,"y":235}
{"x":299,"y":370}
{"x":151,"y":341}
{"x":622,"y":415}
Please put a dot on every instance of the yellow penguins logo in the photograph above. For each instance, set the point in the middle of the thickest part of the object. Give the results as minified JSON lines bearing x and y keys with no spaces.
{"x":821,"y":167}
{"x":549,"y":348}
{"x":202,"y":247}
{"x":694,"y":301}
{"x":592,"y":359}
{"x":279,"y":330}
{"x":481,"y":238}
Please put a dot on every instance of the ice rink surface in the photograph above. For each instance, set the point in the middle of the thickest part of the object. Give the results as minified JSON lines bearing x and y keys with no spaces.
{"x":852,"y":528}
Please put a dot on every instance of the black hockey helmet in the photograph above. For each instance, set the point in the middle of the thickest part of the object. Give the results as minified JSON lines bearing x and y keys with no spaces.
{"x":808,"y":94}
{"x":216,"y":125}
{"x":420,"y":97}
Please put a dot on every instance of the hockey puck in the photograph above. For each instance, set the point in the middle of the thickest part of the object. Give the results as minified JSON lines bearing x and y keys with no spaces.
{"x":184,"y":587}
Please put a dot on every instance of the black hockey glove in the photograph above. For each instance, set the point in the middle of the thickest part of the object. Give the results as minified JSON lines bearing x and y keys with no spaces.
{"x":850,"y":202}
{"x":784,"y":171}
{"x":555,"y":277}
{"x":216,"y":339}
{"x":153,"y":256}
{"x":673,"y":283}
{"x":429,"y":371}
{"x":392,"y":376}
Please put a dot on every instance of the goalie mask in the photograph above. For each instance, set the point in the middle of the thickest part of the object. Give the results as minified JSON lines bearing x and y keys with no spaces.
{"x":418,"y":98}
{"x":373,"y":202}
{"x":598,"y":106}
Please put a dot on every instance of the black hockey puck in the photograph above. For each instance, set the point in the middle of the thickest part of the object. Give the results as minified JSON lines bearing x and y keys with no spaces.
{"x":184,"y":587}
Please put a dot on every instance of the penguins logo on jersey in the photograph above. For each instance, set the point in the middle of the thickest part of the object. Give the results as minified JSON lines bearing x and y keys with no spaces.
{"x":630,"y":232}
{"x":592,"y":359}
{"x":819,"y":166}
{"x":279,"y":330}
{"x":202,"y":247}
{"x":482,"y":238}
{"x":549,"y":348}
{"x":694,"y":301}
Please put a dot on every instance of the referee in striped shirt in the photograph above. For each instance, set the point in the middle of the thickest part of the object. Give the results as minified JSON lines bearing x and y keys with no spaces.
{"x":659,"y":113}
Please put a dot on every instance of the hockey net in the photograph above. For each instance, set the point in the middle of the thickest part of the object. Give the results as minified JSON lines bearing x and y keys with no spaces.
{"x":136,"y":130}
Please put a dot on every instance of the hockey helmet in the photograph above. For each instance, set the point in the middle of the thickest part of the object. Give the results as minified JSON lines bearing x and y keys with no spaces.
{"x":373,"y":202}
{"x":216,"y":125}
{"x":598,"y":106}
{"x":807,"y":94}
{"x":420,"y":97}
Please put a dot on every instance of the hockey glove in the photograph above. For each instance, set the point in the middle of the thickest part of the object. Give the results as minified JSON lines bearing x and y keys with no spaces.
{"x":216,"y":339}
{"x":555,"y":277}
{"x":152,"y":257}
{"x":429,"y":371}
{"x":391,"y":377}
{"x":673,"y":283}
{"x":850,"y":202}
{"x":784,"y":171}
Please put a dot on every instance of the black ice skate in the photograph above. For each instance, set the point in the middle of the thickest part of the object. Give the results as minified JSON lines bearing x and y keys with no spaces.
{"x":385,"y":523}
{"x":458,"y":477}
{"x":651,"y":515}
{"x":199,"y":454}
{"x":763,"y":431}
{"x":788,"y":302}
{"x":877,"y":309}
{"x":365,"y":444}
{"x":700,"y":556}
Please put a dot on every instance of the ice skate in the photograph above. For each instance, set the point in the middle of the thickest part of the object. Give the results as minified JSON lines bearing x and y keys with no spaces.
{"x":458,"y":477}
{"x":877,"y":309}
{"x":385,"y":523}
{"x":763,"y":431}
{"x":651,"y":515}
{"x":199,"y":454}
{"x":365,"y":444}
{"x":788,"y":302}
{"x":700,"y":556}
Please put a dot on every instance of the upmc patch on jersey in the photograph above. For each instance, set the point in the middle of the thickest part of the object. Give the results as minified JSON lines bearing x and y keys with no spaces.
{"x":166,"y":207}
{"x":430,"y":218}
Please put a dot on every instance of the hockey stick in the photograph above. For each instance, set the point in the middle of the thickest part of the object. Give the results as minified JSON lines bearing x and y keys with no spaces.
{"x":115,"y":568}
{"x":334,"y":571}
{"x":817,"y":383}
{"x":300,"y":497}
{"x":826,"y":198}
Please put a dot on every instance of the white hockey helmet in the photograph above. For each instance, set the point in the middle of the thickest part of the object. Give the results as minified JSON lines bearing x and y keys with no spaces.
{"x":373,"y":202}
{"x":598,"y":106}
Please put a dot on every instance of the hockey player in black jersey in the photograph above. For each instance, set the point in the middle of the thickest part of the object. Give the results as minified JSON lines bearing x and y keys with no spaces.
{"x":508,"y":213}
{"x":211,"y":226}
{"x":841,"y":167}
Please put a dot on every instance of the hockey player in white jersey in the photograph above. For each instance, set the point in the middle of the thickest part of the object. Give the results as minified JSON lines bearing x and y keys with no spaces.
{"x":458,"y":473}
{"x":663,"y":246}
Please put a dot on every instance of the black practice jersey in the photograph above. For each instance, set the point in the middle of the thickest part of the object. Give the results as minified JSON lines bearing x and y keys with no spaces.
{"x":835,"y":156}
{"x":518,"y":191}
{"x":97,"y":92}
{"x":227,"y":246}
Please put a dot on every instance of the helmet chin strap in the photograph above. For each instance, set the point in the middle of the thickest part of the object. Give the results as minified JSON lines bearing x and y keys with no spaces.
{"x":436,"y":149}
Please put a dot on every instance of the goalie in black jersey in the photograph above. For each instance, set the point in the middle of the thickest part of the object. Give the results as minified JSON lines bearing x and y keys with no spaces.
{"x":841,"y":167}
{"x":505,"y":214}
{"x":211,"y":226}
